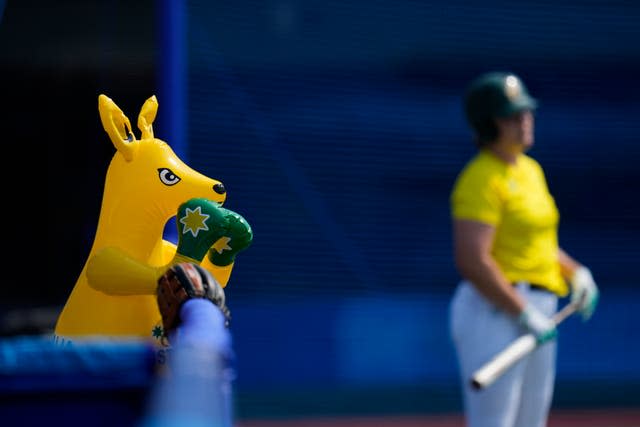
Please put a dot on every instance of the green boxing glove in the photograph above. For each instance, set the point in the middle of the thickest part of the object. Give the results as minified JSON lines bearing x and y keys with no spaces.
{"x":234,"y":238}
{"x":200,"y":223}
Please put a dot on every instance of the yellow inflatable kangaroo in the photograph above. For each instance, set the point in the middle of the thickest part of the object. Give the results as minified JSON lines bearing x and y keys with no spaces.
{"x":145,"y":184}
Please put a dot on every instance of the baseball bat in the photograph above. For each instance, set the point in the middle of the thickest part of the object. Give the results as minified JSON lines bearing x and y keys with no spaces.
{"x":501,"y":362}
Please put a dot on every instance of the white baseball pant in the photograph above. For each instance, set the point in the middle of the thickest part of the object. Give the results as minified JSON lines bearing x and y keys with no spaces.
{"x":522,"y":396}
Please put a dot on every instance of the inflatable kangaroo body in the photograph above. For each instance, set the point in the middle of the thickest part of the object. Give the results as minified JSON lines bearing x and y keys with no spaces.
{"x":145,"y":184}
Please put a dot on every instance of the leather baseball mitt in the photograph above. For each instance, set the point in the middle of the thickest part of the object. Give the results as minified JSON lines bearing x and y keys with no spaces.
{"x":182,"y":282}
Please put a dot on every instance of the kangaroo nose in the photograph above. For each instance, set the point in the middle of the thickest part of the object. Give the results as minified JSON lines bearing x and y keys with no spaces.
{"x":219,"y":188}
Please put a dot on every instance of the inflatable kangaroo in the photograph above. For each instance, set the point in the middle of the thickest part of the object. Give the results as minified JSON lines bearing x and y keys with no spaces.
{"x":145,"y":185}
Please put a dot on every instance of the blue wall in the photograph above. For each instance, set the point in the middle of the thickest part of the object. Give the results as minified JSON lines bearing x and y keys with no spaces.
{"x":403,"y":340}
{"x":337,"y":129}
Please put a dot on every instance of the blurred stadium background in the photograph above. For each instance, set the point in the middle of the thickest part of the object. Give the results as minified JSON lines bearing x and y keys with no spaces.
{"x":337,"y":129}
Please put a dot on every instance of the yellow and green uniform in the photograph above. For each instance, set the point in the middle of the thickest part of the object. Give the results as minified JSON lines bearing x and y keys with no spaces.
{"x":515,"y":199}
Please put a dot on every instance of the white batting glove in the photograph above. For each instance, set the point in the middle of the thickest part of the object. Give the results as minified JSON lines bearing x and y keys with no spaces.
{"x":584,"y":292}
{"x":541,"y":326}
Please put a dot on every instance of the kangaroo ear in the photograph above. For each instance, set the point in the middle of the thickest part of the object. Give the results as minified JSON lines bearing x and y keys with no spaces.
{"x":117,"y":126}
{"x":147,"y":116}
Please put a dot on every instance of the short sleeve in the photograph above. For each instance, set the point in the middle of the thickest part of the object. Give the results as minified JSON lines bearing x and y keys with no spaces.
{"x":476,"y":197}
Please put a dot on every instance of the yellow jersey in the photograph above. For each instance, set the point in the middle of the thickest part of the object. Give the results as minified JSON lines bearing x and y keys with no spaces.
{"x":514,"y":199}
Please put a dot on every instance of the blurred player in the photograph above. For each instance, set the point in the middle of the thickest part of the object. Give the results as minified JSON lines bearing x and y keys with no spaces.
{"x":505,"y":225}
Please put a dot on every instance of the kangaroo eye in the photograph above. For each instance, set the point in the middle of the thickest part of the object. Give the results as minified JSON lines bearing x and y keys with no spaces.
{"x":168,"y":177}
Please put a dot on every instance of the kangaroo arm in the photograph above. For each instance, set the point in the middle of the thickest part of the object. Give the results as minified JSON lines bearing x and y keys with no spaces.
{"x":220,"y":273}
{"x":114,"y":272}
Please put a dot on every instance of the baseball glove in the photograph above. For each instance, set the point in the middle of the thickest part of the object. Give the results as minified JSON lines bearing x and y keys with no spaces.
{"x":182,"y":282}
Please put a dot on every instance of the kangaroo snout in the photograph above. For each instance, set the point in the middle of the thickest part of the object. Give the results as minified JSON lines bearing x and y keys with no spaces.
{"x":219,"y":188}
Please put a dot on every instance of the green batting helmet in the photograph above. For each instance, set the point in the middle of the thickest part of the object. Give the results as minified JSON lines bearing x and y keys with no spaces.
{"x":492,"y":95}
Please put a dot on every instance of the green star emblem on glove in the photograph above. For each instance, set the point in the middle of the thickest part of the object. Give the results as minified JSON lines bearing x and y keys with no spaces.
{"x":222,"y":245}
{"x":194,"y":221}
{"x":236,"y":237}
{"x":200,"y":224}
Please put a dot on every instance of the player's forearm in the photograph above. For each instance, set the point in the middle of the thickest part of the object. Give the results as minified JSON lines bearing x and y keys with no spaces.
{"x":567,"y":264}
{"x":485,"y":274}
{"x":473,"y":241}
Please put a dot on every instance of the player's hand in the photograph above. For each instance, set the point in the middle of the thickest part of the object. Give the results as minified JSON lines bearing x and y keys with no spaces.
{"x":541,"y":326}
{"x":236,"y":236}
{"x":584,"y":292}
